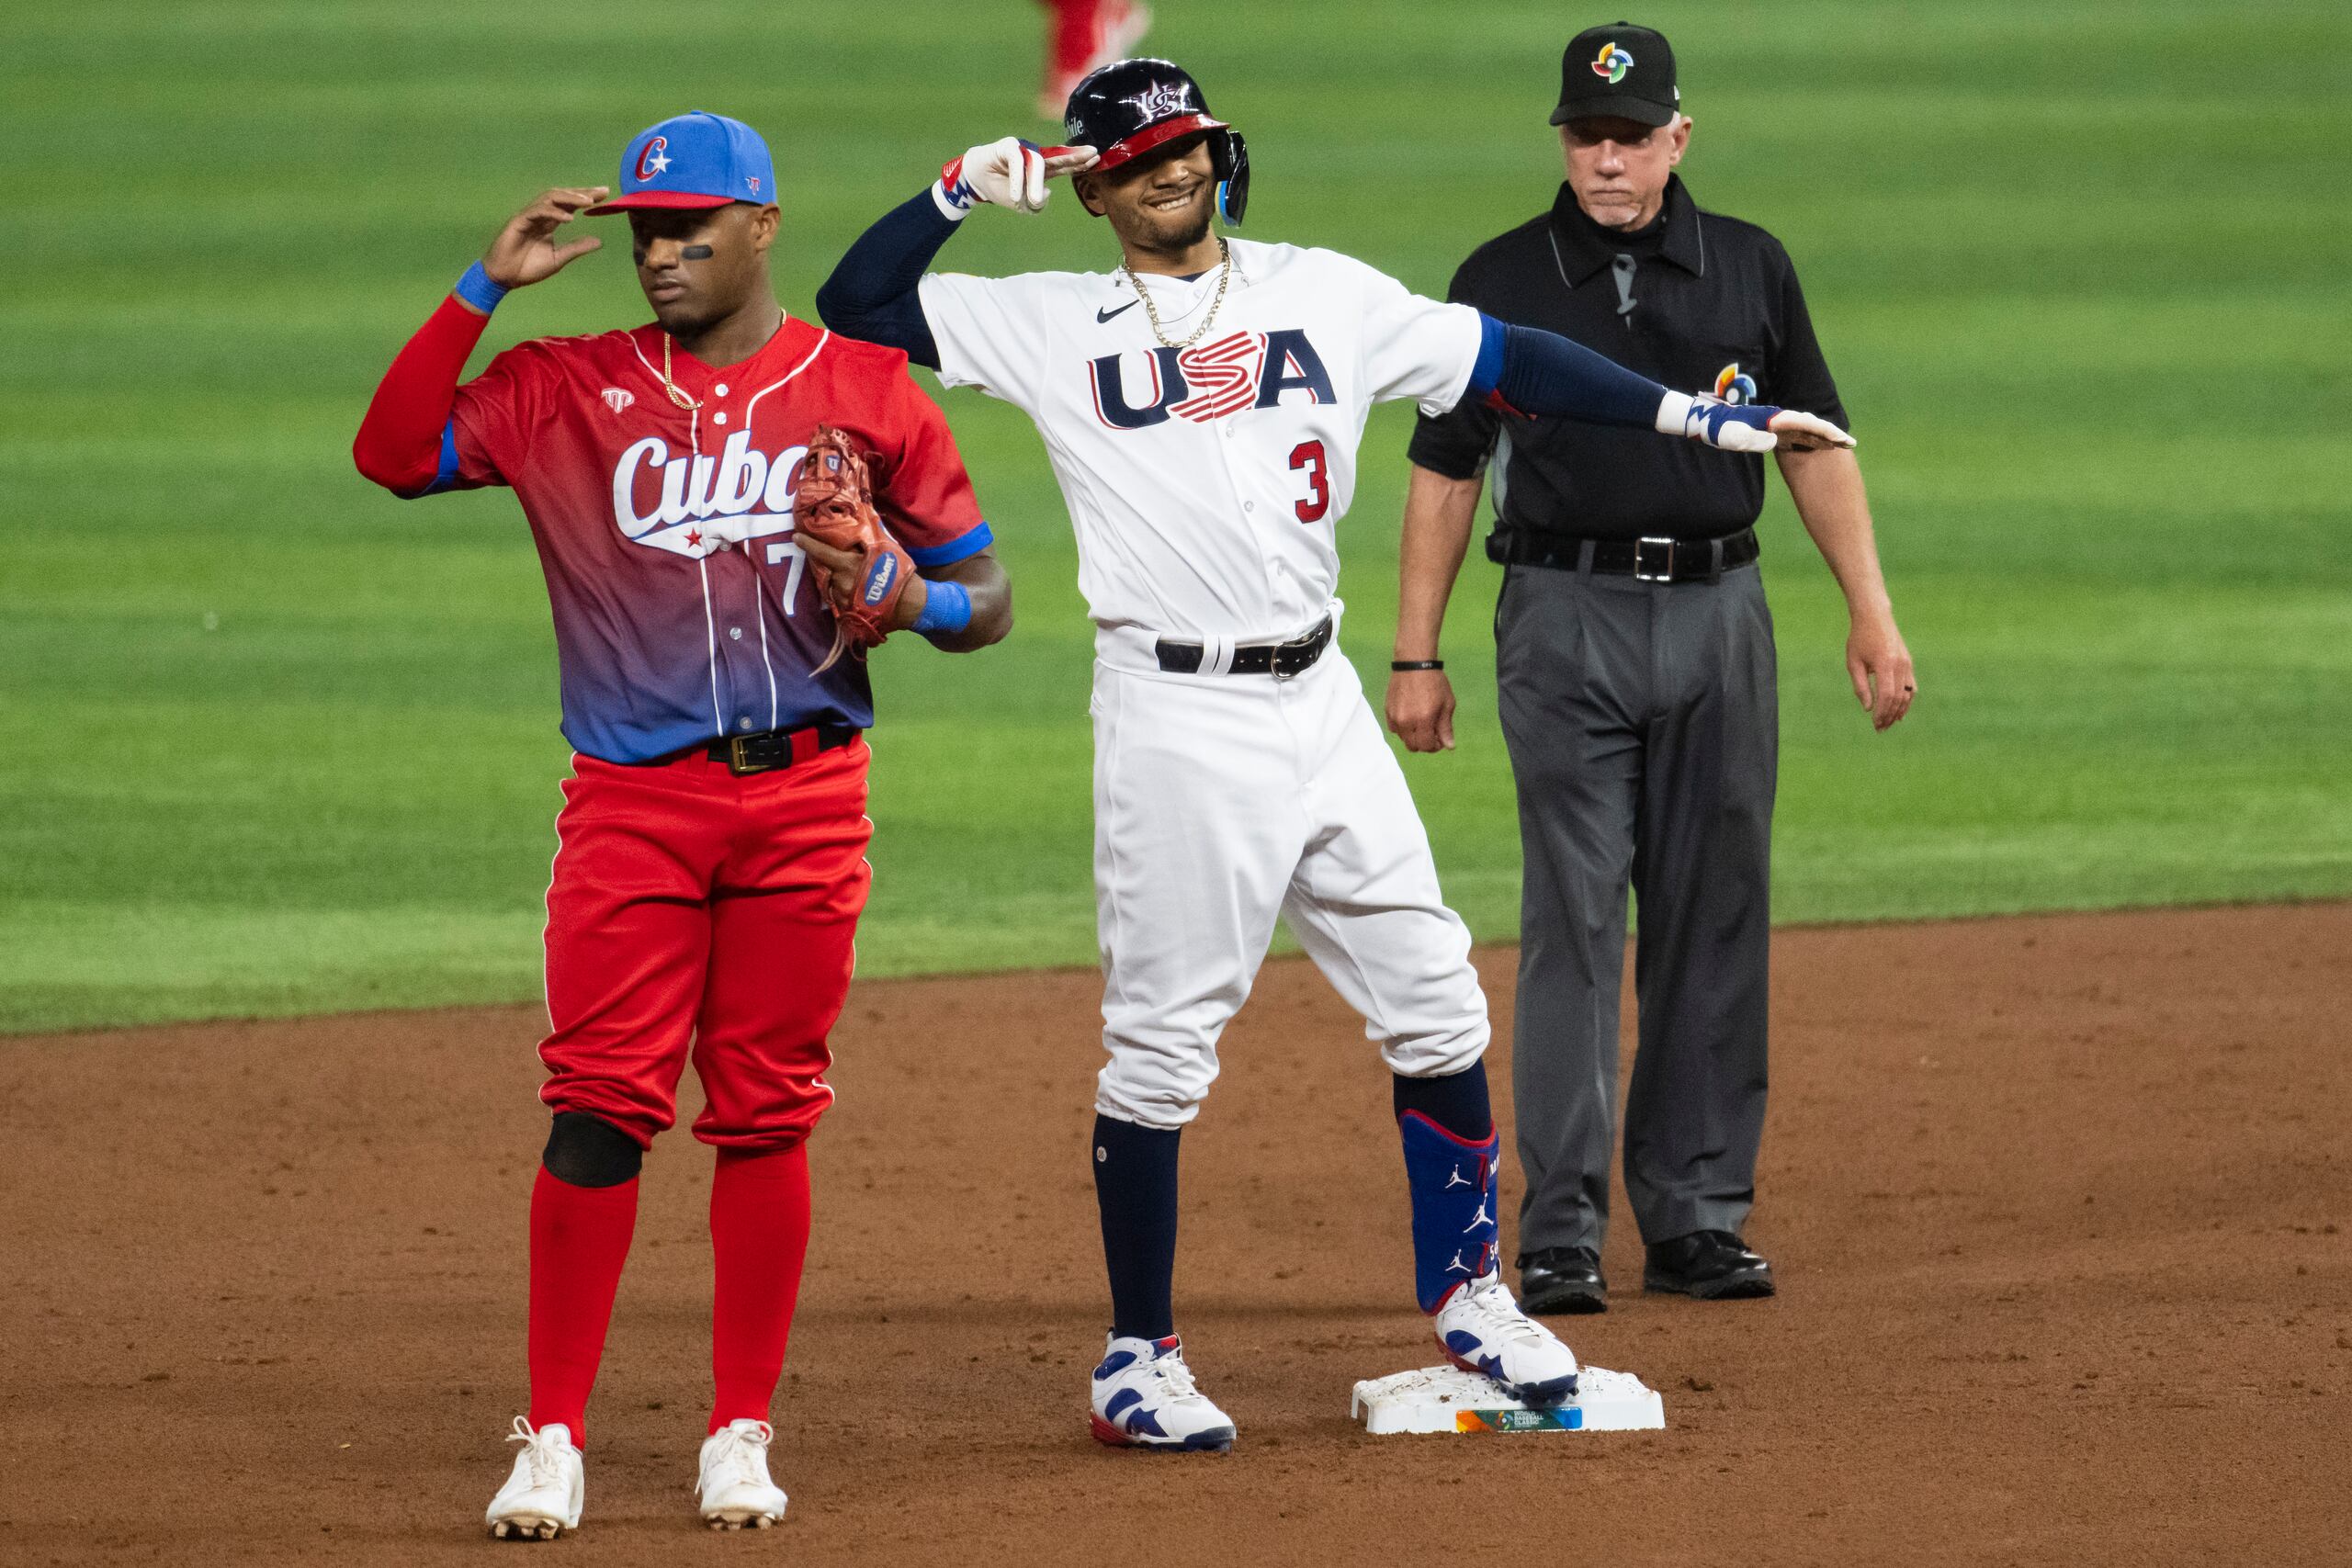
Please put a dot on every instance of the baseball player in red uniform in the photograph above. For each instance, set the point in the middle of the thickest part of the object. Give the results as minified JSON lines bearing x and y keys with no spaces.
{"x":710,"y":865}
{"x":1083,"y":36}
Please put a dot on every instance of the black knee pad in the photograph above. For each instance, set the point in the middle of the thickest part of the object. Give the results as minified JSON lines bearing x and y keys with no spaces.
{"x":586,"y":1151}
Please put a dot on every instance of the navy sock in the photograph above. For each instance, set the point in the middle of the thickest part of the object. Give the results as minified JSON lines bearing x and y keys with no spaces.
{"x":1135,"y":1185}
{"x":1456,"y":1103}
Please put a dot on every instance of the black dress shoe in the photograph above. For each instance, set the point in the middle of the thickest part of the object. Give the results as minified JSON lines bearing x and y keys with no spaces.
{"x":1561,"y":1279}
{"x":1714,"y":1266}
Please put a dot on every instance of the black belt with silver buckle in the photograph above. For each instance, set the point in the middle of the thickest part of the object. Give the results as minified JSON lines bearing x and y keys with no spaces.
{"x":1645,"y":560}
{"x":1281,"y":659}
{"x":773,"y":749}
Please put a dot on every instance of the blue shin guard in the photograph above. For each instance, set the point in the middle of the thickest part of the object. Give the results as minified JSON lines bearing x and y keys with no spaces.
{"x":1452,"y":1181}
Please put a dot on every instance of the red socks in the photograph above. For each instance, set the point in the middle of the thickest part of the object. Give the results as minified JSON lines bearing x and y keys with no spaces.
{"x":758,"y":1237}
{"x":579,"y":1240}
{"x":580,"y":1236}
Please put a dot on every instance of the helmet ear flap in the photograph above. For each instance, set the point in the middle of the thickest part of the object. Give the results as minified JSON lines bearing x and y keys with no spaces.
{"x":1229,"y":159}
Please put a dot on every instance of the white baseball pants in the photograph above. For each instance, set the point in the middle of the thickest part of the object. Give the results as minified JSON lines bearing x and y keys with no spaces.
{"x":1222,"y":801}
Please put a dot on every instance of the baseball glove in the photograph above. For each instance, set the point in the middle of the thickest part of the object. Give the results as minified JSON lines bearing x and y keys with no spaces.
{"x":834,"y":504}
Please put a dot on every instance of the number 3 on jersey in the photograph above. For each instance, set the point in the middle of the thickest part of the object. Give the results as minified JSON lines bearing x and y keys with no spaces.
{"x":1308,"y":454}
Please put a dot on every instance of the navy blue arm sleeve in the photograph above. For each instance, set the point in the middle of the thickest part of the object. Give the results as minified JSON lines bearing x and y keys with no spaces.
{"x":1538,"y":372}
{"x":872,"y":293}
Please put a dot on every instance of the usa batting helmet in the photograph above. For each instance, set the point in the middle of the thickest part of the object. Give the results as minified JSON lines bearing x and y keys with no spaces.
{"x":1126,"y":108}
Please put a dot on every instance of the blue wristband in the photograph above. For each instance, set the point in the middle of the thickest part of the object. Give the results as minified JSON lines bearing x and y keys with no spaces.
{"x":476,"y":289}
{"x":948,"y":608}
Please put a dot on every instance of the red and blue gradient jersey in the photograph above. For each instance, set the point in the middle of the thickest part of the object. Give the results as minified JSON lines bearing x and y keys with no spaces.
{"x":683,"y":611}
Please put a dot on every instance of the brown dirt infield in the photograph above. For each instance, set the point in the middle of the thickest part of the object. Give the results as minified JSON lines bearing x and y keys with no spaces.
{"x":2060,"y":1204}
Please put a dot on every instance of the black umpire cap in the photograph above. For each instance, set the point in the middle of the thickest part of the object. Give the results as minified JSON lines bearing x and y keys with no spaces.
{"x":1621,"y":71}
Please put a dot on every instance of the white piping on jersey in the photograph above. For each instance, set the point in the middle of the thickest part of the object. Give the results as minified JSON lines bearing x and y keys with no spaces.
{"x":702,"y":563}
{"x":822,"y":339}
{"x":774,"y":708}
{"x":760,"y":608}
{"x":710,"y":625}
{"x":656,"y":375}
{"x":709,"y":615}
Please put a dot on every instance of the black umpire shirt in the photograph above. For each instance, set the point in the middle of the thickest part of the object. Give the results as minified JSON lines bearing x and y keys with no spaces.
{"x":1696,"y":300}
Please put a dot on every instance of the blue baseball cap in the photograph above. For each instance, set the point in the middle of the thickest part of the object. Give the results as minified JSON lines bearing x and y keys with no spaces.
{"x":694,"y":160}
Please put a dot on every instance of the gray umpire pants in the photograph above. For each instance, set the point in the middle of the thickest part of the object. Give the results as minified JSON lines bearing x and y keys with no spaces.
{"x":1643,"y":726}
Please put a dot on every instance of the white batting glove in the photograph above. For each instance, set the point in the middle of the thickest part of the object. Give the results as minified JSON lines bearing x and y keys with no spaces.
{"x":1011,"y":173}
{"x":1745,"y":427}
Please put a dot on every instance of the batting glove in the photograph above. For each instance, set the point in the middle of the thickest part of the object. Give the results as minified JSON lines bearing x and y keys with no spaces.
{"x":1745,"y":427}
{"x":1011,"y":173}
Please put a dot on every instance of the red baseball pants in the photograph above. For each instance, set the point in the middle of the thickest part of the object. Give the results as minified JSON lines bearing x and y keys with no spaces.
{"x":694,"y":910}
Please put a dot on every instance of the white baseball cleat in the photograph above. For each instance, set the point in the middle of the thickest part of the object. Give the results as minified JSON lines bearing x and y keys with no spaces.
{"x":1483,"y":1331}
{"x":541,"y":1499}
{"x":1145,"y":1398}
{"x":734,"y":1486}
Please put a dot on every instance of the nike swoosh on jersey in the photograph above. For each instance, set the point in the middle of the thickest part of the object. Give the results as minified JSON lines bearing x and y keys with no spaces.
{"x":1103,"y":316}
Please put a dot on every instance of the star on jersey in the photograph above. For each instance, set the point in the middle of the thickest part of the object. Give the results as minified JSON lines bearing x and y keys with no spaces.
{"x":690,"y":504}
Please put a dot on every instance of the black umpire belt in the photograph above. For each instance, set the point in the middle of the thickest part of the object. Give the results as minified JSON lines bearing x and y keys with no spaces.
{"x":1279,"y":660}
{"x":1648,"y":560}
{"x":773,"y":749}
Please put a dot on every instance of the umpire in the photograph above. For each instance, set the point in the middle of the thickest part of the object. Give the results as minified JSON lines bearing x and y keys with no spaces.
{"x":1635,"y":658}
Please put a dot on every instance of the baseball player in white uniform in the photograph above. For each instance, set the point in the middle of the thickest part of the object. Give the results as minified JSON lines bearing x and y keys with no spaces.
{"x":1201,"y":405}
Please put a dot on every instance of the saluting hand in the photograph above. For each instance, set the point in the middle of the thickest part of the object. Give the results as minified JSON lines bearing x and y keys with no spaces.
{"x":1011,"y":173}
{"x":525,"y":250}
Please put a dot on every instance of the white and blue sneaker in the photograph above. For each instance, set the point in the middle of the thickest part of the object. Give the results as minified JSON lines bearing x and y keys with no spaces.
{"x":1483,"y":1331}
{"x":1145,"y":1398}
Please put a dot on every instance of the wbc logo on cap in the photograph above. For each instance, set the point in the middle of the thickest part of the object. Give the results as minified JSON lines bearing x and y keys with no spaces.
{"x":1613,"y":63}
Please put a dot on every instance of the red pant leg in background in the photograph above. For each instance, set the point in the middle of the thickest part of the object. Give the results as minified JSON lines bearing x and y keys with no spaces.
{"x":1075,"y":31}
{"x":687,"y":899}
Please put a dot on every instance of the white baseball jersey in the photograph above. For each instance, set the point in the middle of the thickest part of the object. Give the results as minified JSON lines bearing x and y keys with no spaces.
{"x":1206,"y":482}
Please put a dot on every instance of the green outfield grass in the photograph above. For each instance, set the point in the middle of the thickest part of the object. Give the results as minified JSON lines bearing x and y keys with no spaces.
{"x":276,"y":742}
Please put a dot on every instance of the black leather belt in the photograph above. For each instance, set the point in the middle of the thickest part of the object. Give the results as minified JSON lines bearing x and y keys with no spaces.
{"x":1649,"y":560}
{"x":773,"y":749}
{"x":1282,"y":659}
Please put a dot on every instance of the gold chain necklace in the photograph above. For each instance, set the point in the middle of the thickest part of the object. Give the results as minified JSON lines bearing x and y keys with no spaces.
{"x":1224,"y":277}
{"x":677,"y":396}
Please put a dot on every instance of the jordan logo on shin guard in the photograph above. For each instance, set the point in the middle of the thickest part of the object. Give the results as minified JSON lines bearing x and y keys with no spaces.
{"x":1453,"y":1183}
